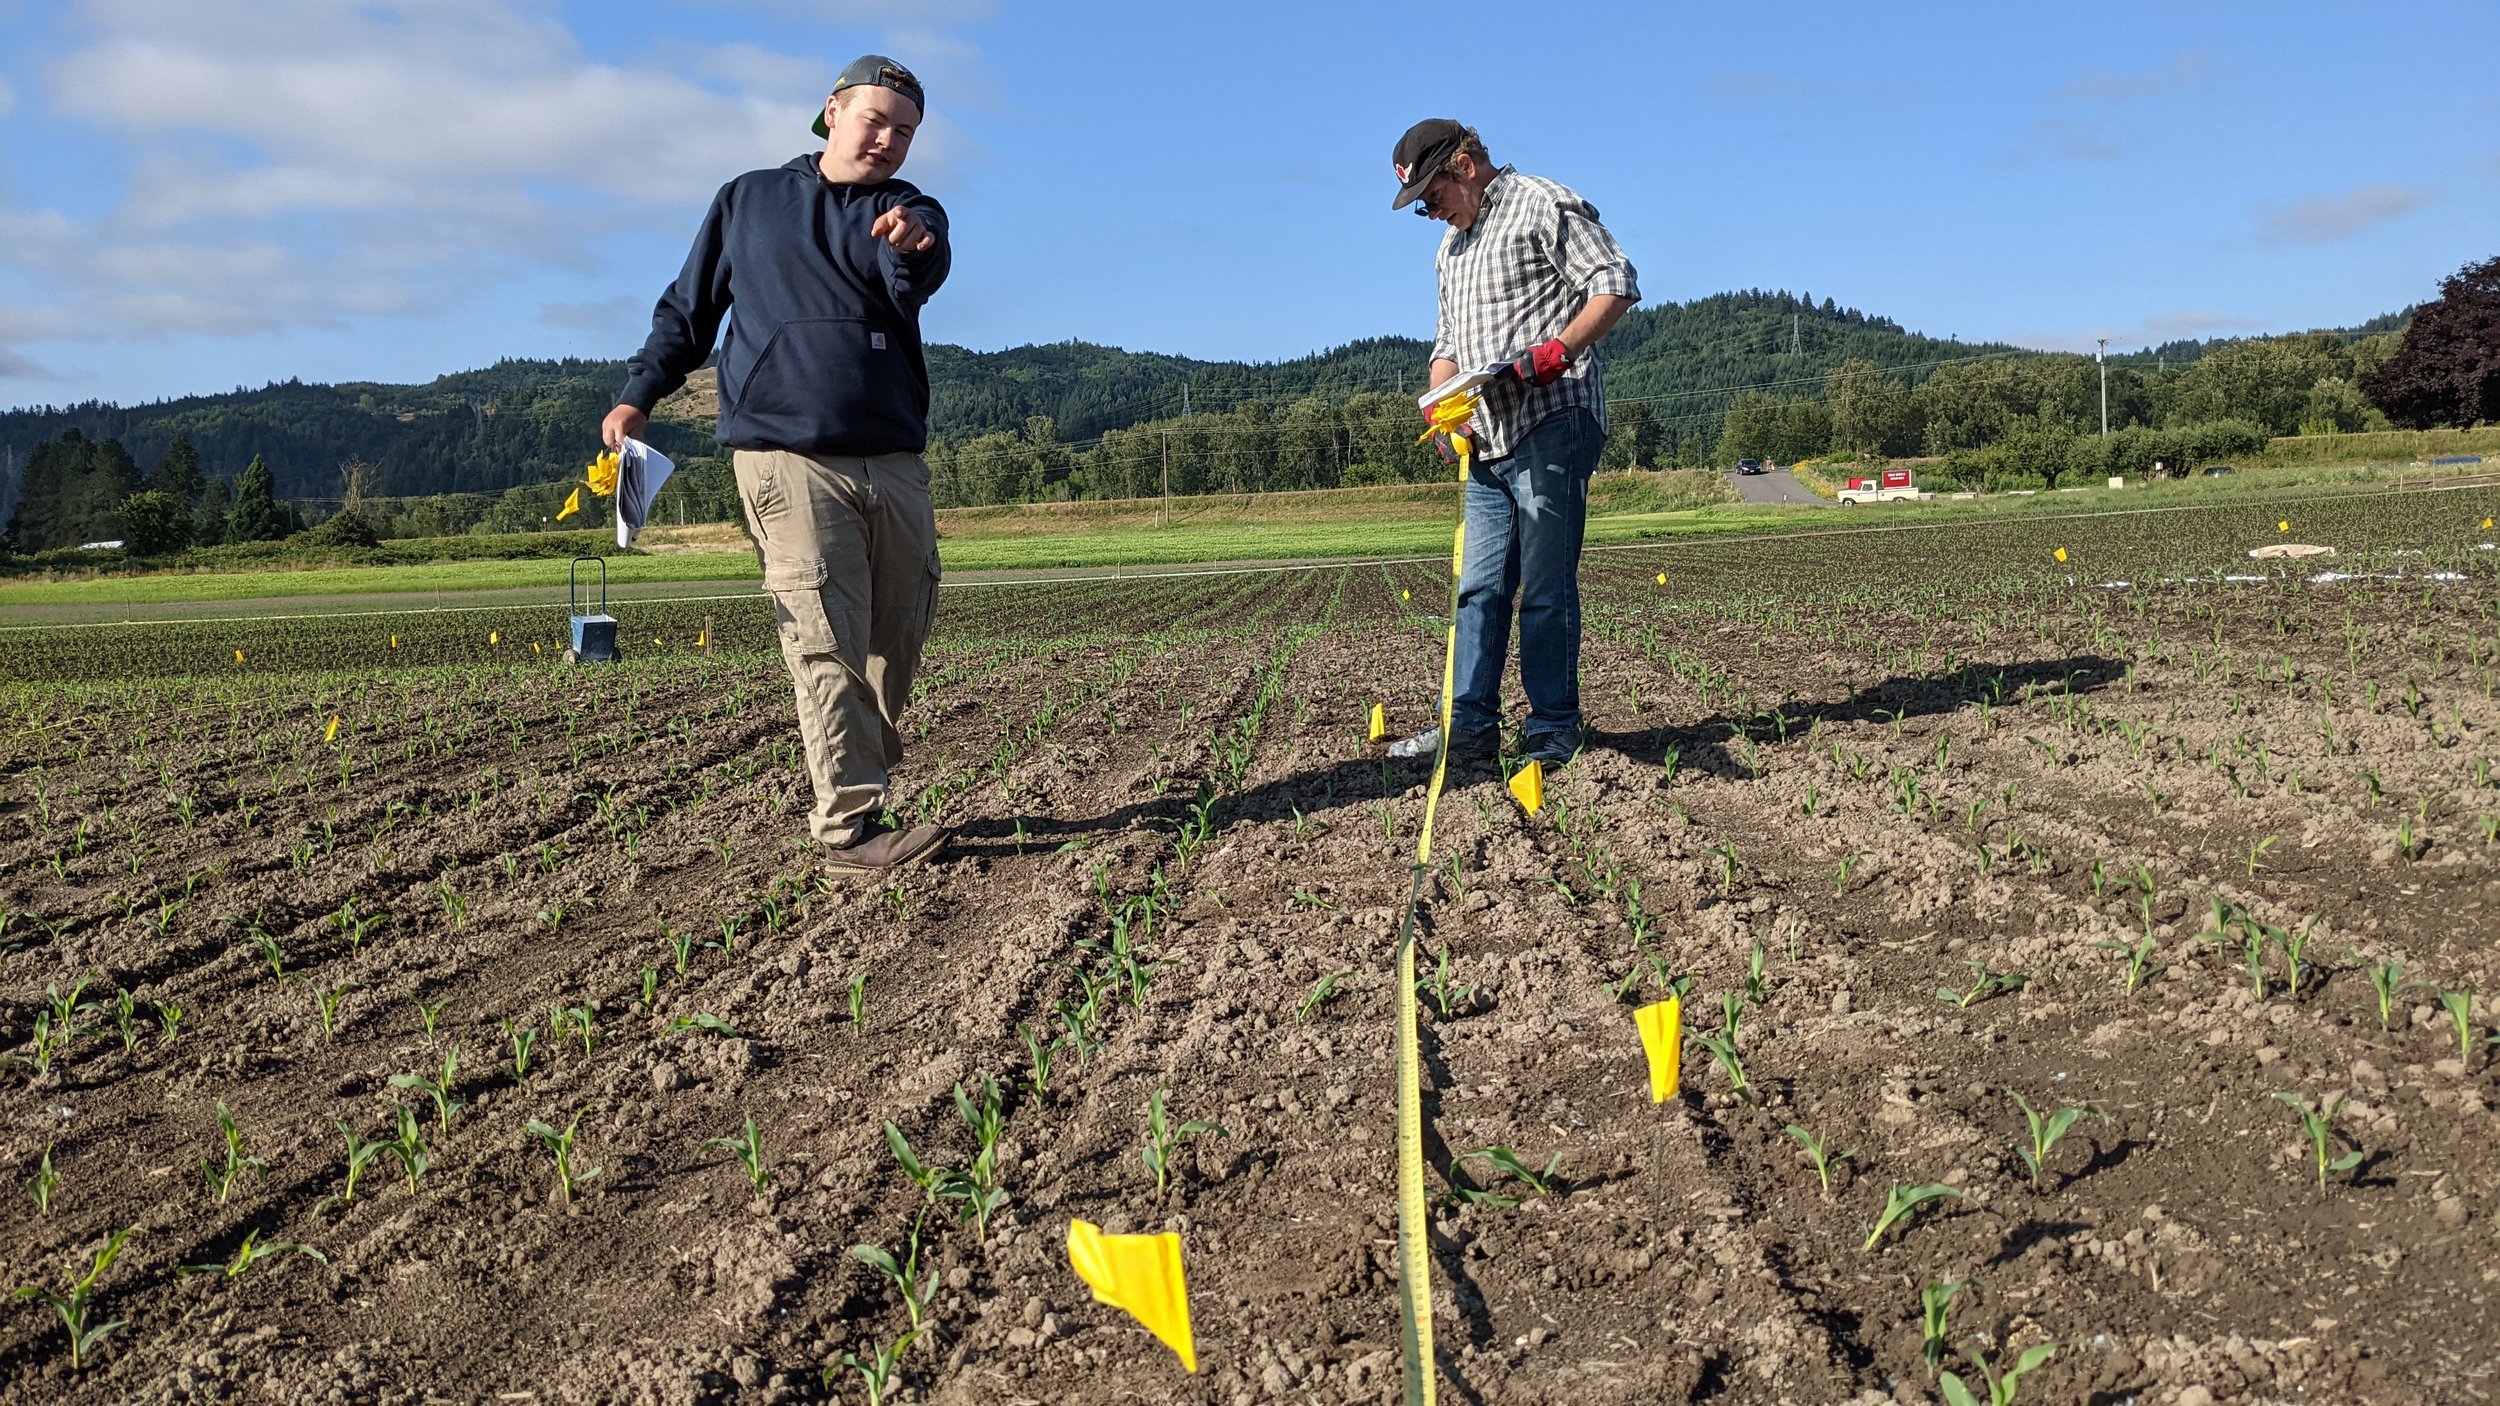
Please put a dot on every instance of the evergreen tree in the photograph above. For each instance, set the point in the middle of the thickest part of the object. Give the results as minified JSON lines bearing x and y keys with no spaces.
{"x":258,"y":516}
{"x":155,"y":523}
{"x":178,"y":473}
{"x":208,"y":524}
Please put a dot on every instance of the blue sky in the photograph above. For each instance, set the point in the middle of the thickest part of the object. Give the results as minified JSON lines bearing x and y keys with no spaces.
{"x":197,"y":194}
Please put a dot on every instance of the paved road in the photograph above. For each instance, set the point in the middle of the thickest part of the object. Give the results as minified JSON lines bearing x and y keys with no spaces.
{"x":1775,"y":486}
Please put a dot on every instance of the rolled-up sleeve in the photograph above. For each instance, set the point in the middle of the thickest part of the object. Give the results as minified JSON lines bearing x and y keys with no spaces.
{"x":1588,"y":256}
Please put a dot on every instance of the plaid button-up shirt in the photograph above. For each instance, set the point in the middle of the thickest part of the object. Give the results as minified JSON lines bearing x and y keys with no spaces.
{"x":1514,"y":279}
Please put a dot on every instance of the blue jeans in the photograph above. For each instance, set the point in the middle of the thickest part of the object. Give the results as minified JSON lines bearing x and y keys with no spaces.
{"x":1526,"y":516}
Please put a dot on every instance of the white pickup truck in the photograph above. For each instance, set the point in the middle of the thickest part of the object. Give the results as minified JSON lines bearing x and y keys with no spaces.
{"x":1893,"y":487}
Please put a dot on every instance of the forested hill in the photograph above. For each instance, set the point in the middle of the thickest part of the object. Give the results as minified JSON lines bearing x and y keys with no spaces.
{"x":523,"y":422}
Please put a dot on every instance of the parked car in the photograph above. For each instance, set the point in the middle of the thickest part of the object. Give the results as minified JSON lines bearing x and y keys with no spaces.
{"x":2218,"y":470}
{"x":1749,"y":466}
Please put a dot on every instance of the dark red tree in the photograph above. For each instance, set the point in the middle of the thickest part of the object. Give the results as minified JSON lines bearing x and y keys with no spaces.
{"x":2448,"y":370}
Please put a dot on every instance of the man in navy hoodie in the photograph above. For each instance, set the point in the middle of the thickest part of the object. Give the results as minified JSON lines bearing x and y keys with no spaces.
{"x":824,"y":397}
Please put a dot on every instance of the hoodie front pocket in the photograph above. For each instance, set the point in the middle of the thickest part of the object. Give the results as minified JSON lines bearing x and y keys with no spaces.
{"x":819,"y":368}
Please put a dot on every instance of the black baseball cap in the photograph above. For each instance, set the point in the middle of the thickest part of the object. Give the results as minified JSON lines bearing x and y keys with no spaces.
{"x":876,"y":71}
{"x":1422,"y":152}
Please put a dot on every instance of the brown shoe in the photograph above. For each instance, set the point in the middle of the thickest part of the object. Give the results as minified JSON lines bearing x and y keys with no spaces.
{"x":878,"y":849}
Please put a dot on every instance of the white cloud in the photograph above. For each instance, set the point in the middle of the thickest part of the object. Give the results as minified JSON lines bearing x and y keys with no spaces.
{"x":307,"y":162}
{"x":2332,"y":219}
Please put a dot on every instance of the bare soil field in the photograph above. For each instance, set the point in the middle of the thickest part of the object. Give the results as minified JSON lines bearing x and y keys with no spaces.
{"x":1933,"y":825}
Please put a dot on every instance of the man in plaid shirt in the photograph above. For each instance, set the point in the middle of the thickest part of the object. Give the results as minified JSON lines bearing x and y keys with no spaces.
{"x":1531,"y":280}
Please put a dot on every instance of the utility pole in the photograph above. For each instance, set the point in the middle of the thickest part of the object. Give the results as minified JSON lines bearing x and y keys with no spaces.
{"x":1796,"y":344}
{"x":2101,"y":359}
{"x":1184,"y":400}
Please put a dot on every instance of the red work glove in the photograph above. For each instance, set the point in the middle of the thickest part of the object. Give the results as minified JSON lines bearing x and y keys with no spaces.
{"x":1542,"y":364}
{"x":1442,"y":446}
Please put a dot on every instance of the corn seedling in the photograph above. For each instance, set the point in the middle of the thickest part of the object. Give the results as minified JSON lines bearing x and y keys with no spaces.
{"x":650,"y":986}
{"x":438,"y":1088}
{"x":859,"y":1003}
{"x":581,"y":1020}
{"x":427,"y":1014}
{"x":45,"y":1182}
{"x":2139,"y":959}
{"x":877,"y":1370}
{"x":73,"y":1306}
{"x":251,"y":1252}
{"x":1162,"y":1136}
{"x":1818,"y":1148}
{"x":1902,"y":1202}
{"x":524,"y":1040}
{"x":2387,"y":983}
{"x":1321,"y":991}
{"x":1984,"y":983}
{"x":222,"y":1175}
{"x":680,"y":946}
{"x":914,"y":1288}
{"x":914,"y":1170}
{"x":1043,"y":1054}
{"x":560,"y":1145}
{"x":2045,"y":1132}
{"x":1935,"y":1305}
{"x":2257,"y":852}
{"x":987,"y":1119}
{"x":705,"y":1021}
{"x":359,"y":1154}
{"x":330,"y":1000}
{"x":1757,"y":986}
{"x":1444,"y":995}
{"x":2001,"y":1383}
{"x":748,"y":1148}
{"x":1722,"y":1050}
{"x":169,"y":1020}
{"x":1506,"y":1162}
{"x":1848,"y":866}
{"x":408,"y":1148}
{"x":2319,"y":1127}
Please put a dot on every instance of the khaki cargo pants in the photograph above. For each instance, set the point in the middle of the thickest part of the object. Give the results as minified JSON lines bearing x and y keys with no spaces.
{"x":850,"y":557}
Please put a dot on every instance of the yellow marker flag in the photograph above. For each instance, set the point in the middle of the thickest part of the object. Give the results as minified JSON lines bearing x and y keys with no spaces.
{"x":703,"y":639}
{"x":2486,"y":524}
{"x":1380,"y":723}
{"x":2060,"y":554}
{"x":1141,"y":1276}
{"x":655,"y":639}
{"x":1662,"y":578}
{"x":238,"y":656}
{"x":1529,"y":786}
{"x":394,"y":641}
{"x":571,"y":506}
{"x":537,"y":648}
{"x":2282,"y":527}
{"x":1410,"y":595}
{"x":331,"y":733}
{"x":1662,"y":1039}
{"x":494,"y":637}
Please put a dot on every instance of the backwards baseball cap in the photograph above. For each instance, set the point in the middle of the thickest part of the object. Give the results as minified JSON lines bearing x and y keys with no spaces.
{"x":1422,"y":152}
{"x":876,"y":71}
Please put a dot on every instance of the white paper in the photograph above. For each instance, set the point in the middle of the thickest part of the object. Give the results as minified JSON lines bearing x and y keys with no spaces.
{"x":640,"y":471}
{"x":1461,"y":383}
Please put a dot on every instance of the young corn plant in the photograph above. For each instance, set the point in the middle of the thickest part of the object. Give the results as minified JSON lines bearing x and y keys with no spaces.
{"x":2460,"y":1008}
{"x":1722,"y":1047}
{"x":408,"y":1148}
{"x":560,"y":1146}
{"x":2319,"y":1128}
{"x":1163,"y":1136}
{"x":222,"y":1175}
{"x":1818,"y":1148}
{"x":878,"y":1370}
{"x":360,"y":1153}
{"x":439,"y":1088}
{"x":1935,"y":1306}
{"x":45,"y":1182}
{"x":1321,"y":992}
{"x":2388,"y":984}
{"x":524,"y":1040}
{"x":748,"y":1148}
{"x":920,"y":1174}
{"x":1901,"y":1203}
{"x":987,"y":1119}
{"x":915,"y":1287}
{"x":2045,"y":1132}
{"x":2139,"y":957}
{"x":251,"y":1252}
{"x":2001,"y":1382}
{"x":1044,"y":1054}
{"x":1508,"y":1164}
{"x":1984,"y":984}
{"x":859,"y":1004}
{"x":427,"y":1014}
{"x":329,"y":1000}
{"x":74,"y":1306}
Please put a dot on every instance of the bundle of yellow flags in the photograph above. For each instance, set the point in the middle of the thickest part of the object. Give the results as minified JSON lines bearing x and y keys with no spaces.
{"x":600,"y":478}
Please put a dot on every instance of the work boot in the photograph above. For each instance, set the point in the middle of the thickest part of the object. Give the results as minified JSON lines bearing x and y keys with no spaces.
{"x":879,"y":848}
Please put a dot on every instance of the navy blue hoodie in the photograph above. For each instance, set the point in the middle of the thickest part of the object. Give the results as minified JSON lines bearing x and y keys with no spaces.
{"x":823,"y":354}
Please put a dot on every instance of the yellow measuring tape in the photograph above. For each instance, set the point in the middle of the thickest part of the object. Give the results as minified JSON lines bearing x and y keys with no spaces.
{"x":1449,"y":416}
